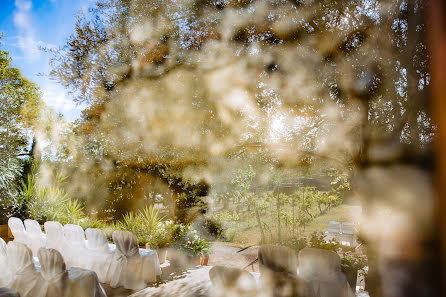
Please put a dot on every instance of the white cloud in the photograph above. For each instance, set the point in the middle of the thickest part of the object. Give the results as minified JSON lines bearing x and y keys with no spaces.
{"x":23,"y":22}
{"x":57,"y":98}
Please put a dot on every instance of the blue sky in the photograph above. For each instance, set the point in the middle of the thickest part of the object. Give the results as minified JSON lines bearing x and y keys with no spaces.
{"x":28,"y":24}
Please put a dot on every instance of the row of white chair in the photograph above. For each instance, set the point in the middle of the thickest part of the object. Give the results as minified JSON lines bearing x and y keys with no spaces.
{"x":50,"y":279}
{"x":119,"y":264}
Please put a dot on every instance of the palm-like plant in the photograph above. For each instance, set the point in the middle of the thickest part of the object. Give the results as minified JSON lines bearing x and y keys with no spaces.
{"x":151,"y":218}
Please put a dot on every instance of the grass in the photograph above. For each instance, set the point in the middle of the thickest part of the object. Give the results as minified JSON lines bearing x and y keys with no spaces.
{"x":250,"y":234}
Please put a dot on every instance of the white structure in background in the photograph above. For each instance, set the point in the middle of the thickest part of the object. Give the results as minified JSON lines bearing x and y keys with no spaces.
{"x":342,"y":232}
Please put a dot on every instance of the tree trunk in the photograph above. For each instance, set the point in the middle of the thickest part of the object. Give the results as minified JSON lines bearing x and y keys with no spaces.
{"x":278,"y":217}
{"x":294,"y":218}
{"x":259,"y":222}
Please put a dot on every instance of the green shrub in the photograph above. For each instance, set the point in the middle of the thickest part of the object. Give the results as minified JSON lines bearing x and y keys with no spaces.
{"x":142,"y":224}
{"x":353,"y":261}
{"x":184,"y":203}
{"x":317,"y":240}
{"x":191,"y":243}
{"x":295,"y":243}
{"x":87,"y":222}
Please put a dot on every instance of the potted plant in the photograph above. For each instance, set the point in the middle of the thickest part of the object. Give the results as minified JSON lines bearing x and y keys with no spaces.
{"x":350,"y":264}
{"x":159,"y":240}
{"x":204,"y":257}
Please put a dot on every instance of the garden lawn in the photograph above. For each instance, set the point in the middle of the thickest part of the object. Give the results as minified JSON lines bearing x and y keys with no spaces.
{"x":342,"y":213}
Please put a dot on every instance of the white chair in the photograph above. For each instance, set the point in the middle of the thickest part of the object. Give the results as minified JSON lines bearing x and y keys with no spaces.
{"x":99,"y":252}
{"x":36,"y":236}
{"x":53,"y":271}
{"x":24,"y":277}
{"x":57,"y":281}
{"x":348,"y":228}
{"x":322,"y":270}
{"x":4,"y":269}
{"x":55,"y":238}
{"x":132,"y":268}
{"x":18,"y":230}
{"x":77,"y":253}
{"x":228,"y":281}
{"x":348,"y":234}
{"x":334,"y":227}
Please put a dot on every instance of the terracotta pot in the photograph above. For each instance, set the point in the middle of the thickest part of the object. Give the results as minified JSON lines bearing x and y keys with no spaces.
{"x":4,"y":230}
{"x":10,"y":236}
{"x":204,"y":260}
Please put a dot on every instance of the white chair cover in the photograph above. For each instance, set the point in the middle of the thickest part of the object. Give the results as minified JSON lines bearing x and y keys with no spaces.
{"x":278,"y":259}
{"x":74,"y":234}
{"x":322,"y":269}
{"x":84,"y":283}
{"x":96,"y":240}
{"x":5,"y":292}
{"x":228,"y":281}
{"x":18,"y":230}
{"x":77,"y":253}
{"x":129,"y":268}
{"x":4,"y":268}
{"x":99,"y":253}
{"x":55,"y":238}
{"x":24,"y":277}
{"x":36,"y":236}
{"x":59,"y":282}
{"x":54,"y":274}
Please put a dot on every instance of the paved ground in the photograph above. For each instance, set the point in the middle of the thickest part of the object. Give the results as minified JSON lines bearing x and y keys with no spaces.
{"x":229,"y":255}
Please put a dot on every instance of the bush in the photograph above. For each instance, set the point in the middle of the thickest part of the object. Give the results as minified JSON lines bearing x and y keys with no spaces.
{"x":142,"y":224}
{"x":87,"y":222}
{"x":353,"y":262}
{"x":209,"y":228}
{"x":317,"y":240}
{"x":186,"y":202}
{"x":295,"y":243}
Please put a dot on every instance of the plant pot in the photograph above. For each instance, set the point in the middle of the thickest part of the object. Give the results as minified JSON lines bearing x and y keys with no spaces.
{"x":4,"y":230}
{"x":10,"y":236}
{"x":352,"y":277}
{"x":193,"y":260}
{"x":162,"y":255}
{"x":204,"y":260}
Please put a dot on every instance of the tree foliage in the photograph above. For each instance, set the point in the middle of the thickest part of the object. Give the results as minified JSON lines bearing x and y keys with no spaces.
{"x":192,"y":87}
{"x":20,"y":105}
